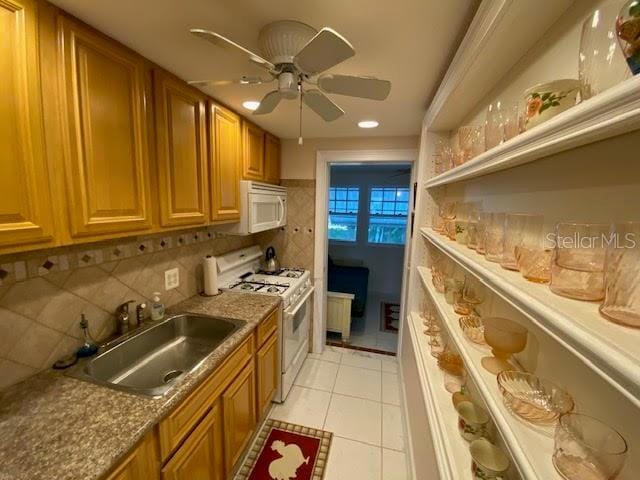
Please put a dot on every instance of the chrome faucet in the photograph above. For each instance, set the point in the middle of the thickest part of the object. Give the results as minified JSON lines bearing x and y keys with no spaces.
{"x":122,"y":317}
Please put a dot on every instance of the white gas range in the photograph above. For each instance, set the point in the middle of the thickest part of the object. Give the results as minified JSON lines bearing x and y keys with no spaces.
{"x":240,"y":272}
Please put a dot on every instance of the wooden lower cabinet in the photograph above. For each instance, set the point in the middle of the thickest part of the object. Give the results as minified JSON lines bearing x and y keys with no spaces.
{"x":239,"y":410}
{"x":267,"y":374}
{"x":200,"y":457}
{"x":141,"y":463}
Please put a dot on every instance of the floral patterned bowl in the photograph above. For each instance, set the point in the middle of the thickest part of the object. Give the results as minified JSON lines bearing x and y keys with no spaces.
{"x":546,"y":100}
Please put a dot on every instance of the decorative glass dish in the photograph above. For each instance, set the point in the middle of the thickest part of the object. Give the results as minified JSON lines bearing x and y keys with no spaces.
{"x":536,"y":400}
{"x":451,"y":363}
{"x":473,"y":328}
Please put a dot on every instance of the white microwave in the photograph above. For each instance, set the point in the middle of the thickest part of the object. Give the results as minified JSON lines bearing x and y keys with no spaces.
{"x":263,"y":206}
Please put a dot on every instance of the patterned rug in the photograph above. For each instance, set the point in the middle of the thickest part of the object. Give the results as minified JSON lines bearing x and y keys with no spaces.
{"x":389,"y":316}
{"x":284,"y":451}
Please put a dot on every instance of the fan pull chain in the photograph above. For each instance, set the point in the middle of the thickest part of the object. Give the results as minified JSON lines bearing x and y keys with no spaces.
{"x":300,"y":115}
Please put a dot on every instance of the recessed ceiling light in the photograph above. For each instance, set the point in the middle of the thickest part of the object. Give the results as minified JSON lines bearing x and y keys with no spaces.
{"x":368,"y":124}
{"x":251,"y":104}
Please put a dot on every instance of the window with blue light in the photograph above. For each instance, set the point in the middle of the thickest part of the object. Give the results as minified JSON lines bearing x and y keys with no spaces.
{"x":388,"y":211}
{"x":343,"y":213}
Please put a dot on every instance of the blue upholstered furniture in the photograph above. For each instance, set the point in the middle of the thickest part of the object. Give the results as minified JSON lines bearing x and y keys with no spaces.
{"x":348,"y":279}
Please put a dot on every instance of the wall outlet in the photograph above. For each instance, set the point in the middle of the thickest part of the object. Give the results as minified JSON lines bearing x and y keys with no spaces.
{"x":171,"y":279}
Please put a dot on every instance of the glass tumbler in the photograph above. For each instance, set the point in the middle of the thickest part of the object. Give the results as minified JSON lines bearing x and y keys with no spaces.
{"x":465,"y":141}
{"x":483,"y":220}
{"x":622,"y":276}
{"x":516,"y":227}
{"x":577,"y":266}
{"x":494,"y":125}
{"x":534,"y":254}
{"x":493,"y":236}
{"x":511,"y":121}
{"x":586,"y":448}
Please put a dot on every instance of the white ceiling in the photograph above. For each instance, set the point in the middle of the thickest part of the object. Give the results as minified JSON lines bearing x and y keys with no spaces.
{"x":408,"y":42}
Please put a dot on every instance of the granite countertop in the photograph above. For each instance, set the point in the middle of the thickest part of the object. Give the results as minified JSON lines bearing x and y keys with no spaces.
{"x":54,"y":426}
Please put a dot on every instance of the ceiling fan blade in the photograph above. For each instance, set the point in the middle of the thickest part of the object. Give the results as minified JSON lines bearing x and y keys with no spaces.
{"x":225,"y":43}
{"x":268,"y":103}
{"x":244,"y":80}
{"x":363,"y":87}
{"x":326,"y":49}
{"x":322,"y":105}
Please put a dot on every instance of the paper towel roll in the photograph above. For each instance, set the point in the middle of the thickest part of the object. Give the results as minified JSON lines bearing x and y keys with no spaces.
{"x":210,"y":270}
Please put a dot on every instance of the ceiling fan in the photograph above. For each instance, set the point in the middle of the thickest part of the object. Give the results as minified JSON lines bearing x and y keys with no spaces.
{"x":293,"y":53}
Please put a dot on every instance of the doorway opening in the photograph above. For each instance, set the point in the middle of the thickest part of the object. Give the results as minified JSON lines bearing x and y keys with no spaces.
{"x":364,"y":205}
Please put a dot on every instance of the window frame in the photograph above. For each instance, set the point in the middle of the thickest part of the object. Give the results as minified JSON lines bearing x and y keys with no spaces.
{"x":346,"y":212}
{"x":371,"y":215}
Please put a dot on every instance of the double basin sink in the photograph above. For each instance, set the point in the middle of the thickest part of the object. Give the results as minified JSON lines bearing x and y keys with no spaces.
{"x":155,"y":359}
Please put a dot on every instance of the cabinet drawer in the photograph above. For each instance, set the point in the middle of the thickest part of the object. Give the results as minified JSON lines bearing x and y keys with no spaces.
{"x":267,"y":327}
{"x":174,"y":428}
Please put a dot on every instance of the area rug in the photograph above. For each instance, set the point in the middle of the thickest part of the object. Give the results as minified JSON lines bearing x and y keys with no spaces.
{"x":389,"y":316}
{"x":284,"y":451}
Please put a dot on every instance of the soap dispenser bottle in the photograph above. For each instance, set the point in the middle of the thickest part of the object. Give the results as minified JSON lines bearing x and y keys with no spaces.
{"x":89,"y":346}
{"x":157,"y":307}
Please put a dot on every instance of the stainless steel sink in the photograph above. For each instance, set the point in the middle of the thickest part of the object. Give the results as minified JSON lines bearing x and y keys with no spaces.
{"x":152,"y":361}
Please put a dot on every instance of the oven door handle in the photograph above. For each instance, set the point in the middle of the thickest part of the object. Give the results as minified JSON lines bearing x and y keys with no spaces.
{"x":291,"y":311}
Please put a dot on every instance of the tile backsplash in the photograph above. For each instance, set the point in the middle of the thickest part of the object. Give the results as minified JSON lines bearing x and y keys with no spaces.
{"x":294,"y":242}
{"x":43,"y":293}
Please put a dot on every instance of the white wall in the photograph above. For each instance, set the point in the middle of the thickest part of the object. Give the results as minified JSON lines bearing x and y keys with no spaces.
{"x":299,"y":161}
{"x":384,"y":261}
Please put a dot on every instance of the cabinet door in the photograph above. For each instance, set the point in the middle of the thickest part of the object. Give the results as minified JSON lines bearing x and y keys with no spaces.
{"x":200,"y":456}
{"x":225,"y":155}
{"x":105,"y":133}
{"x":181,"y":150}
{"x":267,"y":373}
{"x":239,"y":408}
{"x":25,"y":212}
{"x":141,"y":463}
{"x":272,"y":158}
{"x":252,"y":151}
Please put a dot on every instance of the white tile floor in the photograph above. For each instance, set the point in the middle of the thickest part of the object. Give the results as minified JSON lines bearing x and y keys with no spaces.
{"x":355,"y":395}
{"x":365,"y":332}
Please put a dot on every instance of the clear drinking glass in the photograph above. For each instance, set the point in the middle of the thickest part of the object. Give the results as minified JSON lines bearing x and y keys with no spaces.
{"x":516,"y":227}
{"x":478,"y":144}
{"x":493,"y":236}
{"x":601,"y":62}
{"x":511,"y":121}
{"x":577,"y":267}
{"x":494,"y":126}
{"x":465,"y":141}
{"x":622,"y":276}
{"x":586,"y":448}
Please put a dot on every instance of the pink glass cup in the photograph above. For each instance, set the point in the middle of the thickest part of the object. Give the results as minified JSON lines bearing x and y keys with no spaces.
{"x":622,"y":276}
{"x":493,"y":237}
{"x":518,"y":228}
{"x":577,"y":267}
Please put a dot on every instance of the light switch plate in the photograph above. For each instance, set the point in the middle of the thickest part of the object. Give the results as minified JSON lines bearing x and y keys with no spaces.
{"x":171,"y":279}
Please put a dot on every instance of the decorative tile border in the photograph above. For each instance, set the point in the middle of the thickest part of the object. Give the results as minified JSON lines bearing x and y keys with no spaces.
{"x":18,"y":267}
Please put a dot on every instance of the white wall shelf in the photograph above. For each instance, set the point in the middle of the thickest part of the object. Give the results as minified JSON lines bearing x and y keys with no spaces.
{"x":454,"y":460}
{"x":496,"y":40}
{"x":613,"y":112}
{"x":610,"y":350}
{"x":530,"y":447}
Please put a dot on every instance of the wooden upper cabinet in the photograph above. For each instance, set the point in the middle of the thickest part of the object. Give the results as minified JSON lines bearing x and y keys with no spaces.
{"x":103,"y":88}
{"x":25,"y":206}
{"x":225,"y":164}
{"x":252,"y":151}
{"x":141,"y":463}
{"x":180,"y":112}
{"x":271,"y":158}
{"x":239,"y":410}
{"x":201,"y":455}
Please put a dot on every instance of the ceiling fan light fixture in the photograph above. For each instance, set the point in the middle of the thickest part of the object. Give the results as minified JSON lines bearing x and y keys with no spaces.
{"x":251,"y":105}
{"x":368,"y":124}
